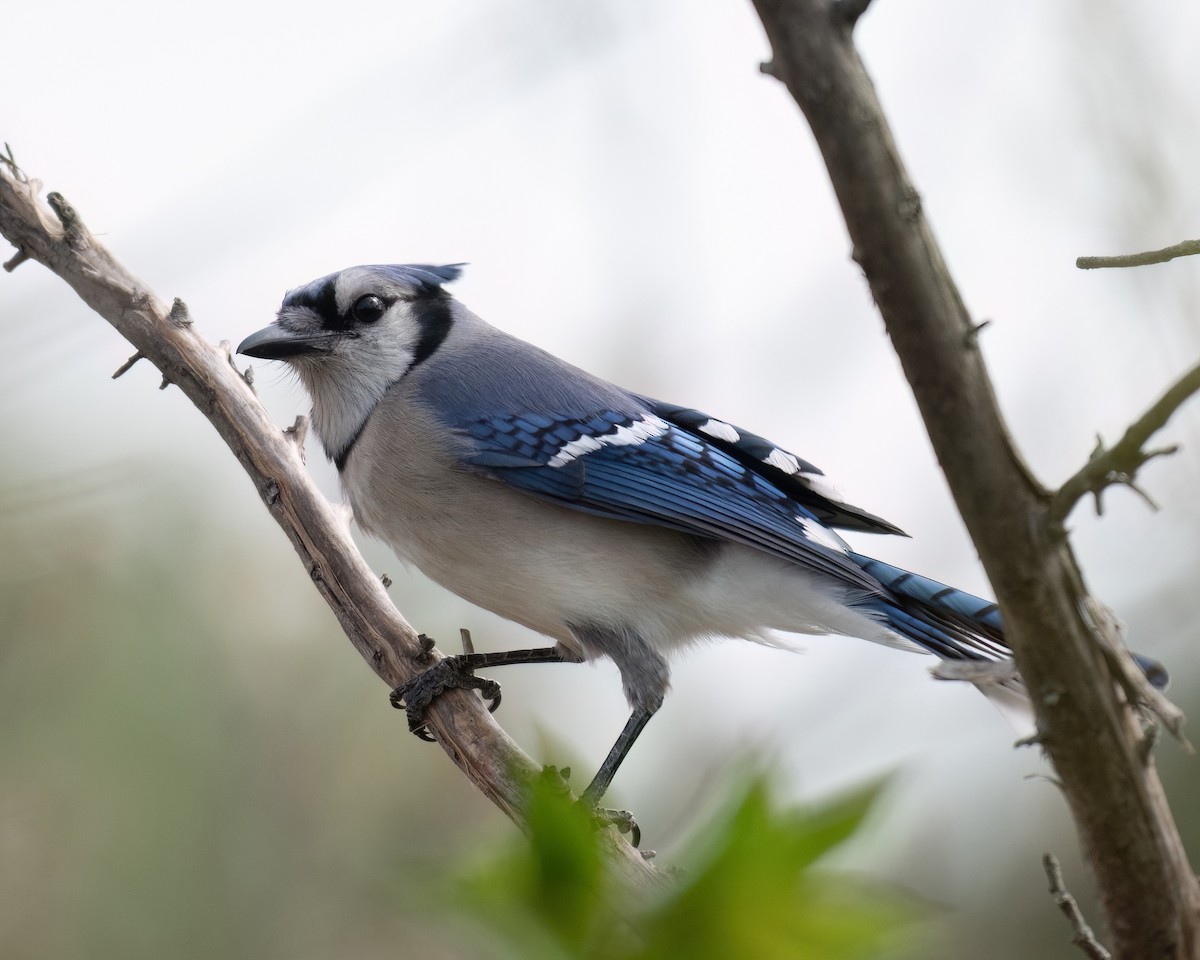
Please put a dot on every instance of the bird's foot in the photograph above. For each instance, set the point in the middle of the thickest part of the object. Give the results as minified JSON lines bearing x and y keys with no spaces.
{"x":624,"y":821}
{"x":415,"y":695}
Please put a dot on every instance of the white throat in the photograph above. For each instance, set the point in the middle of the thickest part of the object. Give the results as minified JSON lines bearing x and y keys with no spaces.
{"x":344,"y":393}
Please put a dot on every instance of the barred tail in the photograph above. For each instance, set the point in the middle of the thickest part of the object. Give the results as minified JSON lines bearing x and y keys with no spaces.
{"x":952,"y":623}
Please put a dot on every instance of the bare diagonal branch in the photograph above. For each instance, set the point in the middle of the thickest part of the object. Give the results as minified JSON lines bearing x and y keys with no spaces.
{"x":166,"y":337}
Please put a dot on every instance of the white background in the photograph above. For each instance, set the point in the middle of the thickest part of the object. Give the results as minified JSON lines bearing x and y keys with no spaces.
{"x":634,"y":196}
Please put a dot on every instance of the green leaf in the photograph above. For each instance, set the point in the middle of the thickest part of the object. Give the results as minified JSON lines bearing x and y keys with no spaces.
{"x":546,"y":896}
{"x":754,"y":890}
{"x":757,"y":896}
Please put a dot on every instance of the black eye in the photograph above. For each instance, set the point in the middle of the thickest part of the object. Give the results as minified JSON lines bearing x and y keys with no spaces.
{"x":368,"y":309}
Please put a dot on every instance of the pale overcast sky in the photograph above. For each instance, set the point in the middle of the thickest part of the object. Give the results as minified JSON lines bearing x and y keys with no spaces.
{"x":634,"y":196}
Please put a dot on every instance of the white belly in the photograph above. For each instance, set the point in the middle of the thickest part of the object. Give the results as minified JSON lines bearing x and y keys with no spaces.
{"x":530,"y":561}
{"x":549,"y":567}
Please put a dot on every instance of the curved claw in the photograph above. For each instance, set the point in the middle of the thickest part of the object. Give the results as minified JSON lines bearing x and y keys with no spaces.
{"x":490,"y":691}
{"x":623,"y":820}
{"x":415,"y":695}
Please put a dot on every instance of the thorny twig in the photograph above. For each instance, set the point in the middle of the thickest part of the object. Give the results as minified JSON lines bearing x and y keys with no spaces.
{"x":1120,"y":463}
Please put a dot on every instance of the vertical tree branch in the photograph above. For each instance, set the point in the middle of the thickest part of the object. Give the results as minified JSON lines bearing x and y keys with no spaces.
{"x":1148,"y":890}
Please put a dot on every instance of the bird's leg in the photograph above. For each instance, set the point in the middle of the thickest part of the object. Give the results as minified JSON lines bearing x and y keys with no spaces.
{"x":644,"y":677}
{"x":415,"y":695}
{"x":623,"y":820}
{"x":608,"y":769}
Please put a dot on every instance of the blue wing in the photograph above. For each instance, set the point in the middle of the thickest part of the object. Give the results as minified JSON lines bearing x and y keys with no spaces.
{"x":797,"y":478}
{"x":678,"y":468}
{"x":645,"y":469}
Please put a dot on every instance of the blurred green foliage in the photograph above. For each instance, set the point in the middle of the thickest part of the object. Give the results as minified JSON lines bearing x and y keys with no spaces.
{"x":753,"y":889}
{"x":169,"y":788}
{"x":193,"y":765}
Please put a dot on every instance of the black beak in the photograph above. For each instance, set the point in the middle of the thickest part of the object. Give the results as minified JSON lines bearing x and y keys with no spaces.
{"x":276,"y":343}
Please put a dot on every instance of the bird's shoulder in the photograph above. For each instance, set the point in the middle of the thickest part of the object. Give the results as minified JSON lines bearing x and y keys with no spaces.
{"x":506,"y":405}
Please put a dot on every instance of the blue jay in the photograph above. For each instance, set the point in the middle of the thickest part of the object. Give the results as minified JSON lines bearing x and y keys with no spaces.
{"x":612,"y":523}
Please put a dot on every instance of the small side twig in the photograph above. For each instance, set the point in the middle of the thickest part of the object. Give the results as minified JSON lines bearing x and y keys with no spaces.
{"x":1148,"y":742}
{"x":74,"y":232}
{"x":979,"y":672}
{"x":1188,"y":248}
{"x":1120,"y":463}
{"x":9,"y":160}
{"x":15,"y":260}
{"x":971,"y":337}
{"x":179,"y":315}
{"x":1139,"y":691}
{"x":851,"y":10}
{"x":297,"y":432}
{"x":1083,"y":936}
{"x":128,"y":365}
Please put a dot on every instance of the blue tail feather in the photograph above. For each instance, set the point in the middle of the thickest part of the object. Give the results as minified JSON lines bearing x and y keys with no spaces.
{"x":952,"y":623}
